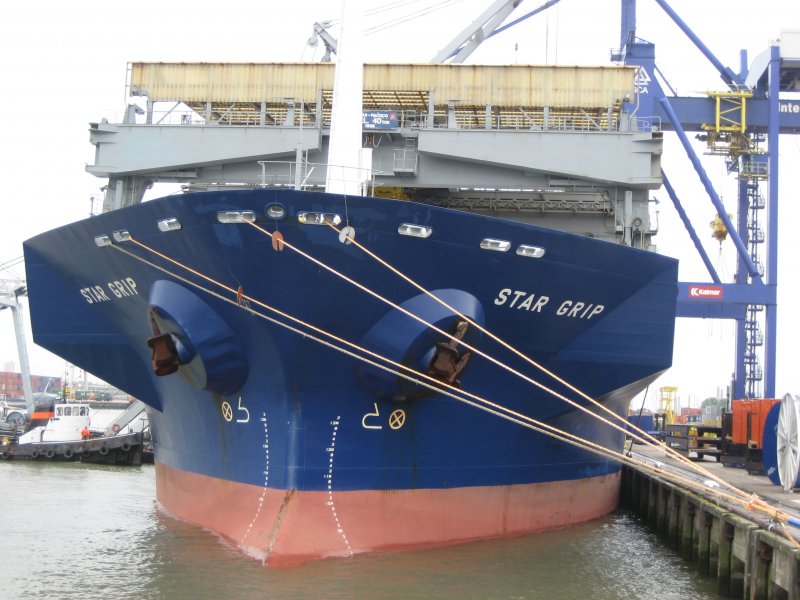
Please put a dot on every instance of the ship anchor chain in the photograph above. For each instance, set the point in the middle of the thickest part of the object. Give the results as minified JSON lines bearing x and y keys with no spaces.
{"x":447,"y":364}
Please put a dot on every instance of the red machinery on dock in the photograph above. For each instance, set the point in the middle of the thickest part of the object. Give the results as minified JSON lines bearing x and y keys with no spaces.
{"x":742,"y":433}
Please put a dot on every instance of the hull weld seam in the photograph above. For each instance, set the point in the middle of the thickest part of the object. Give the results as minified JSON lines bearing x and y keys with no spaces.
{"x":273,"y":534}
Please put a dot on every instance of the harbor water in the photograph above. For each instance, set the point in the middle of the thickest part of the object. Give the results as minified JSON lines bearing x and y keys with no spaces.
{"x":89,"y":531}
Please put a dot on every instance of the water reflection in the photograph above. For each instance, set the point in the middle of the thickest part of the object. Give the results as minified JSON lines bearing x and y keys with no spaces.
{"x":89,"y":531}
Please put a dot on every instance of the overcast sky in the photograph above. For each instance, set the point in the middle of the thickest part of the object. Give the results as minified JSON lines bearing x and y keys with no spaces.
{"x":63,"y":65}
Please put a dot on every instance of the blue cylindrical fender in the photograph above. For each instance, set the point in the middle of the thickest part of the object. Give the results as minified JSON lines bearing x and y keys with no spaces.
{"x":407,"y":341}
{"x":769,"y":444}
{"x":211,"y":354}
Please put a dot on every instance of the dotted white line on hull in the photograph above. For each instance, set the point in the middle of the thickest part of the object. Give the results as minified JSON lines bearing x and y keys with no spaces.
{"x":329,"y":476}
{"x":265,"y":446}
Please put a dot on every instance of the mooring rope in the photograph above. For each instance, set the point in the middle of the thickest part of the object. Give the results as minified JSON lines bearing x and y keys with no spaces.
{"x":641,"y":435}
{"x":640,"y":432}
{"x":429,"y":382}
{"x":628,"y":428}
{"x":746,"y":500}
{"x":445,"y":333}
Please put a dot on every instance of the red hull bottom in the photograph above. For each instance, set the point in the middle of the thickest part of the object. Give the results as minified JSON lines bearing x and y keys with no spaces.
{"x":286,"y":528}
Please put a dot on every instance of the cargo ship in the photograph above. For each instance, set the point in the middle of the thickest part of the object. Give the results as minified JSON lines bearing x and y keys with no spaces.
{"x":294,"y":450}
{"x":328,"y":373}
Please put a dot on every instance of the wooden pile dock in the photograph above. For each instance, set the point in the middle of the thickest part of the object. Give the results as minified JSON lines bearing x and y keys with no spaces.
{"x":750,"y":556}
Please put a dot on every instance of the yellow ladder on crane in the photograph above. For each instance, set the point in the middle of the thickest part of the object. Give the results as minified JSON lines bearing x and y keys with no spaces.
{"x":666,"y":403}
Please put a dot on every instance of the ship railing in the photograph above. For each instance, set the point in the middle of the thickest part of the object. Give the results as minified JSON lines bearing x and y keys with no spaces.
{"x":180,"y":114}
{"x":639,"y":123}
{"x":462,"y":118}
{"x":520,"y":120}
{"x":305,"y":175}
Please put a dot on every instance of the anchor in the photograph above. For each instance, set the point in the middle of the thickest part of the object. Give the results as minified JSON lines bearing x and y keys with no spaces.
{"x":165,"y":359}
{"x":447,"y":365}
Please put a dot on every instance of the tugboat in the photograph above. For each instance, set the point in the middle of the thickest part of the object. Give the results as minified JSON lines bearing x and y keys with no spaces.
{"x":67,"y":437}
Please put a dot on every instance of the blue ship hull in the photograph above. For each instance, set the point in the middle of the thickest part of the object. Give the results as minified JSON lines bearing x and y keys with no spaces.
{"x":263,"y":411}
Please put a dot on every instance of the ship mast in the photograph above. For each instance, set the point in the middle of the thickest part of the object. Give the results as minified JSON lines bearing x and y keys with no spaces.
{"x":348,"y":167}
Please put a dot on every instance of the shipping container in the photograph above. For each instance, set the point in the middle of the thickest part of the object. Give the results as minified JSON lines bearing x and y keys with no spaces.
{"x":748,"y":421}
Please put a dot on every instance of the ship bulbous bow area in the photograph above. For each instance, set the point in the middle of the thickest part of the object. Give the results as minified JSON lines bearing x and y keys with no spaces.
{"x":414,"y":344}
{"x":190,"y":338}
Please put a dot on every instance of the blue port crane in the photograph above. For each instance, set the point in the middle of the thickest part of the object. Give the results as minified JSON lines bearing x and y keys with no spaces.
{"x":741,"y":123}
